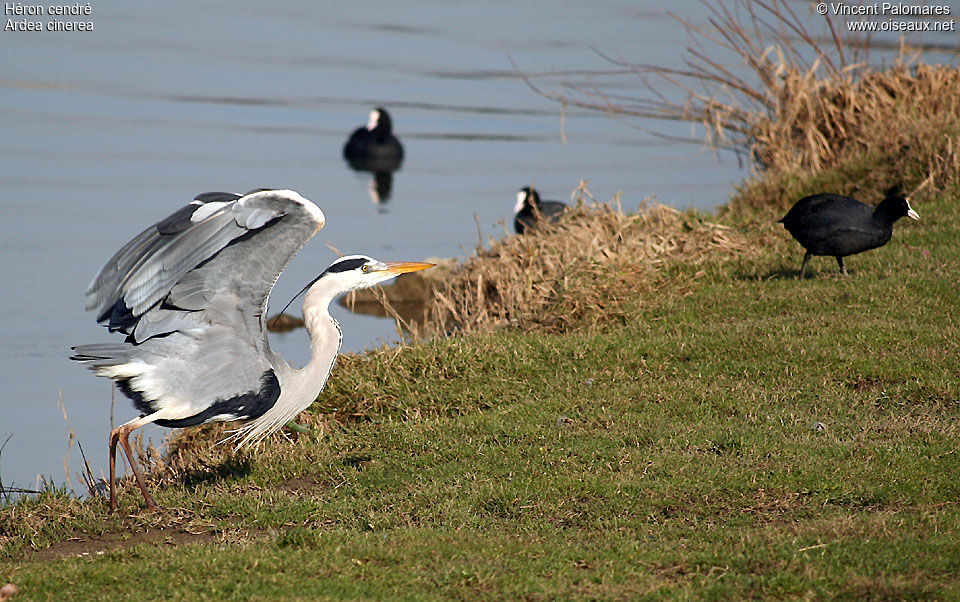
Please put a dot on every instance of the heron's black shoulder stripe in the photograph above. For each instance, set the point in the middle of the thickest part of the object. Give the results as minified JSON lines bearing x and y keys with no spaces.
{"x":347,"y":264}
{"x":178,"y":221}
{"x":256,"y":190}
{"x":242,"y":407}
{"x":215,"y":197}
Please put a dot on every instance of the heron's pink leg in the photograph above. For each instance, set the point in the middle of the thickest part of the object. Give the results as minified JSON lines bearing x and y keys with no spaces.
{"x":122,"y":434}
{"x":114,"y":437}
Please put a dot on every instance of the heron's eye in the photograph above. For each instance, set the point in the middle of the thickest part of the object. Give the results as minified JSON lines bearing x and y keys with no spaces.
{"x":365,"y":268}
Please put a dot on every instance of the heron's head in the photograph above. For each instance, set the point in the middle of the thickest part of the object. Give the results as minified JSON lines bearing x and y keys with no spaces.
{"x":526,"y":197}
{"x":358,"y":271}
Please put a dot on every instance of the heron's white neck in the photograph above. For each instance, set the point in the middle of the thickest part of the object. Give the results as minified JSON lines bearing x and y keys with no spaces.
{"x":325,"y":337}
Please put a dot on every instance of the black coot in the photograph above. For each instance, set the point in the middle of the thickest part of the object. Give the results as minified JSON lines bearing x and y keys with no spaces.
{"x":529,"y":209}
{"x":374,"y":147}
{"x":835,"y":225}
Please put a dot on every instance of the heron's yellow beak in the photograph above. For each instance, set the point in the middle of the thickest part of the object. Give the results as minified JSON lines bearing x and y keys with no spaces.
{"x":402,"y":267}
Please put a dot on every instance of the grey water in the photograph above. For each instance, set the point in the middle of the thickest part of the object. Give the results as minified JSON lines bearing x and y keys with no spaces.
{"x":104,"y":132}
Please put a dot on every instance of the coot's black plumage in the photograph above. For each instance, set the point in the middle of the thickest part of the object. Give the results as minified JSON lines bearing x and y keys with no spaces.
{"x":374,"y":147}
{"x":530,"y":209}
{"x":835,"y":225}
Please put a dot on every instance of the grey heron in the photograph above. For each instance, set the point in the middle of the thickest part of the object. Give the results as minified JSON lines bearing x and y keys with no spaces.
{"x":190,"y":295}
{"x":835,"y":225}
{"x":529,"y":210}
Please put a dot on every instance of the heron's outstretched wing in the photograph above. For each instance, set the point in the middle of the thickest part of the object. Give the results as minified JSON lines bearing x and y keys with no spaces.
{"x":219,"y":255}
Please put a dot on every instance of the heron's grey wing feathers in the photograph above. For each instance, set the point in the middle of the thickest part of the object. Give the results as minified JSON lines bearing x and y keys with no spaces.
{"x":108,"y":280}
{"x":219,"y":197}
{"x":220,"y":257}
{"x":234,"y":286}
{"x":191,"y":292}
{"x":144,"y":244}
{"x":156,"y":275}
{"x":255,"y":218}
{"x":102,"y":354}
{"x":188,"y":372}
{"x":162,"y":321}
{"x":101,"y":294}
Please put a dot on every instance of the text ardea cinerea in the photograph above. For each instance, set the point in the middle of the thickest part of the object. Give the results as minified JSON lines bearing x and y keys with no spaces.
{"x":190,"y":293}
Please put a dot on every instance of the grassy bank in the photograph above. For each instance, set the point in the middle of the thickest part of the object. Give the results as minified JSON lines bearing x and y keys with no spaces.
{"x":624,"y":405}
{"x":755,"y":435}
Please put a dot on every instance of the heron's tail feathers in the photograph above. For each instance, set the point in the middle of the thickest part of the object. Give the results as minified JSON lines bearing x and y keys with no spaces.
{"x":100,"y":355}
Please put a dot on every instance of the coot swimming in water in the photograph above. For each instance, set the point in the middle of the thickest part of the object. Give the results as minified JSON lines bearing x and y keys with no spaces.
{"x":835,"y":225}
{"x":374,"y":147}
{"x":527,"y":207}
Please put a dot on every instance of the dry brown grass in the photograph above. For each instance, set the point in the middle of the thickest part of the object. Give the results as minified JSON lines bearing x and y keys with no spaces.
{"x":816,"y":122}
{"x":895,"y":127}
{"x":595,"y":265}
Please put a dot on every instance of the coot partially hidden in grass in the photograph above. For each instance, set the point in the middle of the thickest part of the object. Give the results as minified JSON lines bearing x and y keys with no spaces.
{"x":530,"y":210}
{"x":835,"y":225}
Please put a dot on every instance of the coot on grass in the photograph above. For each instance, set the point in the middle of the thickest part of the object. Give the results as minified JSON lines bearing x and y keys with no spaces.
{"x":836,"y":225}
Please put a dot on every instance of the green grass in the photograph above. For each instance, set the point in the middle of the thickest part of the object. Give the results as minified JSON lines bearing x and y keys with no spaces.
{"x":757,"y":437}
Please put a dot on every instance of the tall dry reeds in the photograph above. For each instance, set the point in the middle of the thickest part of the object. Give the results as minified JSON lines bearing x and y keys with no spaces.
{"x":898,"y":127}
{"x":806,"y":100}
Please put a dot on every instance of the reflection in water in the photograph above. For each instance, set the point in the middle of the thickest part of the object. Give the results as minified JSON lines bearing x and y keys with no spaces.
{"x":284,"y":323}
{"x":375,"y":149}
{"x":381,"y":184}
